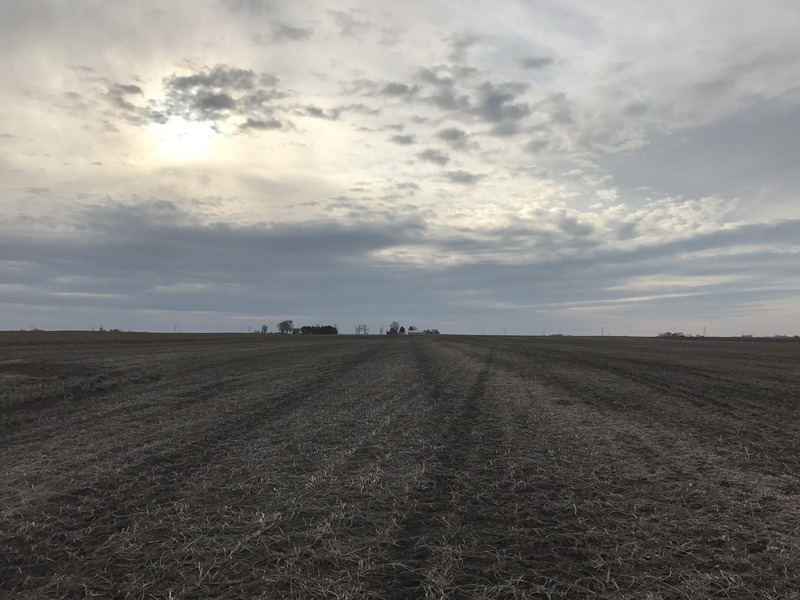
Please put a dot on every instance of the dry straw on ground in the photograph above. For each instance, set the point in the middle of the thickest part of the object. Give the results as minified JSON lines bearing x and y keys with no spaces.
{"x":374,"y":467}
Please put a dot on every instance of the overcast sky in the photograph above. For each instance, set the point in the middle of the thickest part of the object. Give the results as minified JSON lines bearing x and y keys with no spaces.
{"x":539,"y":166}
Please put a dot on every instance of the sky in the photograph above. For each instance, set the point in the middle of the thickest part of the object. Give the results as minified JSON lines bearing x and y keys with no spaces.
{"x":627,"y":167}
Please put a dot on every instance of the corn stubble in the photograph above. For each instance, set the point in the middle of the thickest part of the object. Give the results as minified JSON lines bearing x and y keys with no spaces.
{"x":374,"y":467}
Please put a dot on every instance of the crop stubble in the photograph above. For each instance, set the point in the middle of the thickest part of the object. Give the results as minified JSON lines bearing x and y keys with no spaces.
{"x":353,"y":467}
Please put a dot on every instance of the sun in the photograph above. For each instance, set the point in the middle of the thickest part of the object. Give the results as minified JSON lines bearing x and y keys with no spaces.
{"x":179,"y":139}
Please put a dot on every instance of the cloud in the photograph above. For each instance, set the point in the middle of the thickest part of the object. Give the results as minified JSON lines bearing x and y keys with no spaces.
{"x":217,"y":95}
{"x":286,"y":32}
{"x":318,"y":113}
{"x":220,"y":76}
{"x":261,"y":124}
{"x":496,"y":103}
{"x":445,"y":94}
{"x":536,"y":146}
{"x":463,"y":177}
{"x":460,"y":45}
{"x":396,"y":89}
{"x":535,"y":62}
{"x":457,"y":138}
{"x":349,"y":25}
{"x":118,"y":94}
{"x":434,"y":156}
{"x":403,"y":140}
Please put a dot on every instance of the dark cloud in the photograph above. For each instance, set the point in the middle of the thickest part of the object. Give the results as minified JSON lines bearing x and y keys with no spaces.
{"x":536,"y":146}
{"x":505,"y":129}
{"x":215,"y":95}
{"x":128,"y":89}
{"x":496,"y":103}
{"x":444,"y":94}
{"x":219,"y":77}
{"x":361,"y":87}
{"x":118,"y":95}
{"x":403,"y":140}
{"x":455,"y":91}
{"x":261,"y":124}
{"x":318,"y":113}
{"x":154,"y":256}
{"x":394,"y":88}
{"x":434,"y":156}
{"x":459,"y":45}
{"x":210,"y":103}
{"x":464,"y":177}
{"x":286,"y":32}
{"x":360,"y":108}
{"x":535,"y":62}
{"x":457,"y":138}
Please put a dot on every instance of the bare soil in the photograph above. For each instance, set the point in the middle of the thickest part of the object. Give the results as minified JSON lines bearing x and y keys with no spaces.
{"x":251,"y":466}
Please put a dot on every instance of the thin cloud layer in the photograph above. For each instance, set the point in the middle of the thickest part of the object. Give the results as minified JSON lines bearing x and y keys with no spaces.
{"x":531,"y":168}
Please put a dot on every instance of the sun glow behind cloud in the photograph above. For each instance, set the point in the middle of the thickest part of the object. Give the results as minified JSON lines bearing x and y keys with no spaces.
{"x":182,"y":140}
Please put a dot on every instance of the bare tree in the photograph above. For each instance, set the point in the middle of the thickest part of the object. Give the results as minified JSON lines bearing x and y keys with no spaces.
{"x":365,"y":329}
{"x":286,"y":326}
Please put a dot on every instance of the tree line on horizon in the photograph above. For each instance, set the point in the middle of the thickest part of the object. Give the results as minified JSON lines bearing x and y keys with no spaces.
{"x":287,"y":327}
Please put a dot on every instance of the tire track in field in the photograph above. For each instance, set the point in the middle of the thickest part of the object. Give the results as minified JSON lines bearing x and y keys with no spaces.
{"x":438,"y":545}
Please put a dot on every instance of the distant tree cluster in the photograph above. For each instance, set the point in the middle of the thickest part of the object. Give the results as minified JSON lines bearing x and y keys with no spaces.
{"x":396,"y":329}
{"x":670,"y":334}
{"x":320,"y":329}
{"x":363,"y":328}
{"x":287,"y":326}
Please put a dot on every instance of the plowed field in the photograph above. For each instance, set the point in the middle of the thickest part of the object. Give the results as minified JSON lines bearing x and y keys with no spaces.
{"x":136,"y":466}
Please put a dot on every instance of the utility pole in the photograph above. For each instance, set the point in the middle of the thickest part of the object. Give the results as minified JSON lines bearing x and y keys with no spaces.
{"x":602,"y":331}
